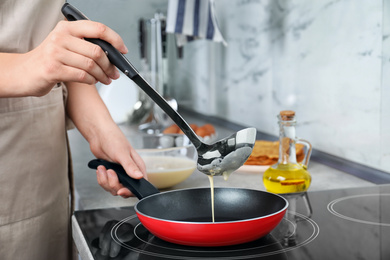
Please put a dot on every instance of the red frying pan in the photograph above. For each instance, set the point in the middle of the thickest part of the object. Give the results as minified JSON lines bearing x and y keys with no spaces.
{"x":184,"y":216}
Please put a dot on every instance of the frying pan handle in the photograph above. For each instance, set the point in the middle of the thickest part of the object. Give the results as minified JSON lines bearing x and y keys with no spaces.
{"x":71,"y":13}
{"x":139,"y":187}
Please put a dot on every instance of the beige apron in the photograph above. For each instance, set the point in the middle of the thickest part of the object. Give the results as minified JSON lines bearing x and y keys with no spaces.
{"x":34,"y":161}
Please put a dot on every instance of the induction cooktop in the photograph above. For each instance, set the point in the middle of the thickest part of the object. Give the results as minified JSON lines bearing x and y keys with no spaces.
{"x":337,"y":224}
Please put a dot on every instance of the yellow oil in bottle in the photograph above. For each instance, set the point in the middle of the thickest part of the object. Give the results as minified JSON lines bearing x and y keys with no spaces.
{"x":286,"y":178}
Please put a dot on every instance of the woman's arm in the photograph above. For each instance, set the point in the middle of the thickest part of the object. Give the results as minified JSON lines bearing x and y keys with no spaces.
{"x":93,"y":120}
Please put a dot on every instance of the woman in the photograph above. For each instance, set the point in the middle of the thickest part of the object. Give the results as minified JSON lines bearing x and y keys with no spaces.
{"x":47,"y":77}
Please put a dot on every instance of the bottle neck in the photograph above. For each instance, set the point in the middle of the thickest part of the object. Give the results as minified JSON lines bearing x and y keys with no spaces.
{"x":287,"y":138}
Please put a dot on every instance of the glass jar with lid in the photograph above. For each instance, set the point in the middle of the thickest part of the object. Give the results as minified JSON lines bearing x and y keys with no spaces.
{"x":288,"y":175}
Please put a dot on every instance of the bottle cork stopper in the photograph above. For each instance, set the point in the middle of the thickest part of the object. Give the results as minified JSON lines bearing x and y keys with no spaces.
{"x":287,"y":114}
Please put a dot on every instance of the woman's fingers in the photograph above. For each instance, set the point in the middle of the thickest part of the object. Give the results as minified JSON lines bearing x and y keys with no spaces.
{"x":113,"y":146}
{"x":109,"y":181}
{"x":68,"y":57}
{"x":124,"y":193}
{"x":90,"y":29}
{"x":90,"y":58}
{"x":65,"y":56}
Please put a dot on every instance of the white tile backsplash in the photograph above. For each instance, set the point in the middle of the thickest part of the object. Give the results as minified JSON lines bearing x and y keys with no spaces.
{"x":385,"y":90}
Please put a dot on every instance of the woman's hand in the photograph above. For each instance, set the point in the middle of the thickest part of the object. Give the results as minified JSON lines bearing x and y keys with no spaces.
{"x":64,"y":56}
{"x":113,"y":146}
{"x":106,"y":140}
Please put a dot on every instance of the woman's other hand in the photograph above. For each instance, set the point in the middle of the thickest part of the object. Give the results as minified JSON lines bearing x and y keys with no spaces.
{"x":64,"y":56}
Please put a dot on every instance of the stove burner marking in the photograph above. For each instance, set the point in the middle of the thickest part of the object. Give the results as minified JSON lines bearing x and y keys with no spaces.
{"x":312,"y":236}
{"x":203,"y":251}
{"x":334,"y":212}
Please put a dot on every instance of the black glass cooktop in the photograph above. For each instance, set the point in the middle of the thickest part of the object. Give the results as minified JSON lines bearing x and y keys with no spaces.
{"x":339,"y":224}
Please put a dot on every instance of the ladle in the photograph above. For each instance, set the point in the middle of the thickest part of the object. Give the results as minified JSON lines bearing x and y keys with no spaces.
{"x":220,"y":158}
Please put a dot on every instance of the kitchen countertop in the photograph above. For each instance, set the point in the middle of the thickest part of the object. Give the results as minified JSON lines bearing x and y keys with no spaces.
{"x":89,"y":195}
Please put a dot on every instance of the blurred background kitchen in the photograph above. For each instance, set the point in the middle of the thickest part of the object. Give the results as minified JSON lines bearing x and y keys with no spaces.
{"x":327,"y":60}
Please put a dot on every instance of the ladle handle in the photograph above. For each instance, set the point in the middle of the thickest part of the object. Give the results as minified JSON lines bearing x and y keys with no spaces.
{"x":119,"y":60}
{"x":139,"y":187}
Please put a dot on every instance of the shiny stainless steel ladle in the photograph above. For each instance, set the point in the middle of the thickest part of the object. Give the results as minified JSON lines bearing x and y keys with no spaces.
{"x":220,"y":158}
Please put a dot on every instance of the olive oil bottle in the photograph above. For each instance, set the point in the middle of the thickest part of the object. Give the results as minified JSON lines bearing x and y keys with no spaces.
{"x":287,"y":175}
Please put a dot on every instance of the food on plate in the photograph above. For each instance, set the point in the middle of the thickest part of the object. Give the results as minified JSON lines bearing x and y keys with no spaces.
{"x":173,"y":129}
{"x":267,"y":153}
{"x":193,"y":126}
{"x":202,"y":131}
{"x":207,"y":128}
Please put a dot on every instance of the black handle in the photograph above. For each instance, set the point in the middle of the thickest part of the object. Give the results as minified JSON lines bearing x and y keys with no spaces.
{"x":118,"y":59}
{"x":139,"y":187}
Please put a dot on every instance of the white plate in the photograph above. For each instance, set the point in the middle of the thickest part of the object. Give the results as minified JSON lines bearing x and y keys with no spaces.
{"x":253,"y":168}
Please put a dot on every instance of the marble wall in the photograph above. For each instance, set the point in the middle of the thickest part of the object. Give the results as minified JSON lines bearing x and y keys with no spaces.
{"x":327,"y":60}
{"x":385,"y":89}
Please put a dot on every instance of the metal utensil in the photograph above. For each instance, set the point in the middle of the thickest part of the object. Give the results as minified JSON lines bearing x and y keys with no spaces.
{"x":156,"y":72}
{"x":143,"y":107}
{"x":220,"y":158}
{"x":154,"y":68}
